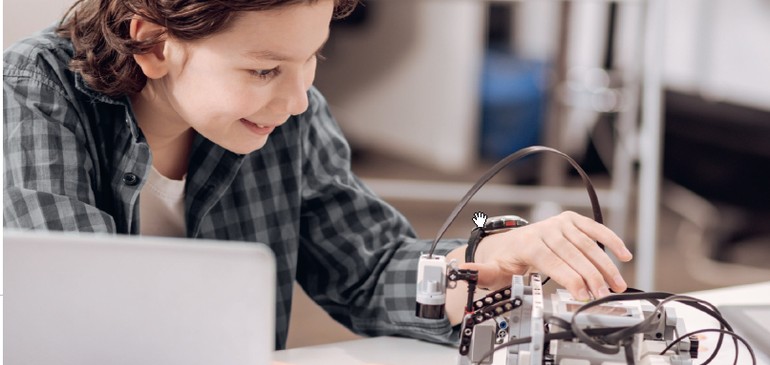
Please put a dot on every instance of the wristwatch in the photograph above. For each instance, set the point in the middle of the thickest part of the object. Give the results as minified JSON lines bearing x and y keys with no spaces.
{"x":492,"y":225}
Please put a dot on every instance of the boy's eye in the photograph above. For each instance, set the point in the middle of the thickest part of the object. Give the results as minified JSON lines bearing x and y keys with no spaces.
{"x":265,"y":74}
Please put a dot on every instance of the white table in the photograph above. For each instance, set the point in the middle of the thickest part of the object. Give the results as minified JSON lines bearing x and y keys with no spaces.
{"x":695,"y":320}
{"x":403,"y":351}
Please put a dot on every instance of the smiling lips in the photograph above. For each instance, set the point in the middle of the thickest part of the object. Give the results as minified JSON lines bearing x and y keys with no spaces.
{"x":259,"y":129}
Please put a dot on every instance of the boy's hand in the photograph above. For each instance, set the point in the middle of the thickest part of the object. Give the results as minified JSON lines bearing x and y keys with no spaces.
{"x":562,"y":247}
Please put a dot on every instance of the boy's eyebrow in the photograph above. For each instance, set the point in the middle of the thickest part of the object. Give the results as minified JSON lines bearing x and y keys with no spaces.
{"x":273,"y":56}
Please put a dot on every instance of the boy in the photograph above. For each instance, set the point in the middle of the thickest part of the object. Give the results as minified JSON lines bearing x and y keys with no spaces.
{"x":198,"y":119}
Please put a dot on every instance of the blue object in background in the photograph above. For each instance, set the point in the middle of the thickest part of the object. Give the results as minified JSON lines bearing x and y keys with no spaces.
{"x":512,"y":104}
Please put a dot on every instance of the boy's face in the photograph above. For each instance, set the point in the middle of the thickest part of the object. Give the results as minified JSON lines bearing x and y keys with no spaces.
{"x":237,"y":86}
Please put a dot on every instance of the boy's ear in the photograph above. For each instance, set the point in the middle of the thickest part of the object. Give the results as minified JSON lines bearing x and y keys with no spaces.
{"x":153,"y":63}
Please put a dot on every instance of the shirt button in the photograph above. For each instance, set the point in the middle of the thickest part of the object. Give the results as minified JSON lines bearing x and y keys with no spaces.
{"x":130,"y":179}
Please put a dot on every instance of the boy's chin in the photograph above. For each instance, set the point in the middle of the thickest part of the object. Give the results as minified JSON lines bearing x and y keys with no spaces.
{"x":245,"y":149}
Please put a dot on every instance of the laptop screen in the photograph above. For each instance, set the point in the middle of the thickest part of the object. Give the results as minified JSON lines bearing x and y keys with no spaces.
{"x":752,"y":322}
{"x":99,"y":299}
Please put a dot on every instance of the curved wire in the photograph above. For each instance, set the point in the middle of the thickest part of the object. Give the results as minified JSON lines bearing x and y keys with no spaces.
{"x":616,"y":335}
{"x":619,"y":334}
{"x":721,"y":332}
{"x":502,"y":164}
{"x":648,"y":323}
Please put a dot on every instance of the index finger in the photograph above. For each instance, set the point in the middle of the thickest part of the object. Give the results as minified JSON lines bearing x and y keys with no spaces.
{"x":604,"y":235}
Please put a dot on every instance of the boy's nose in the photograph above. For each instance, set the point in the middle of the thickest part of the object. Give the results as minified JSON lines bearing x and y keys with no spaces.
{"x":292,"y":97}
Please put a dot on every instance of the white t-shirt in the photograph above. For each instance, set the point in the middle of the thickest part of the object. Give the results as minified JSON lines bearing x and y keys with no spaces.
{"x":161,"y":206}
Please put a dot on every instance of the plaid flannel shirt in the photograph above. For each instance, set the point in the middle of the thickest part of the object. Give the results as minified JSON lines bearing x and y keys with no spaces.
{"x":75,"y":160}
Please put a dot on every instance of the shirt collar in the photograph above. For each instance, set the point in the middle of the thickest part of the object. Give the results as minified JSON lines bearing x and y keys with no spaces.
{"x":123,"y":101}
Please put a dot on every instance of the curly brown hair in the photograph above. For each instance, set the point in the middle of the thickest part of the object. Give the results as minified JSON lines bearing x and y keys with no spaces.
{"x":99,"y":30}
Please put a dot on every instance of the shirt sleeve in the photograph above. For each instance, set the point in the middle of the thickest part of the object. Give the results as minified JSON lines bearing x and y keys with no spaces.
{"x":46,"y":171}
{"x":358,"y":256}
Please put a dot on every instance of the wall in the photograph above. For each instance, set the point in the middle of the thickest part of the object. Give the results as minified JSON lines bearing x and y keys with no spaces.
{"x":406,"y":81}
{"x":24,"y":17}
{"x":720,"y":48}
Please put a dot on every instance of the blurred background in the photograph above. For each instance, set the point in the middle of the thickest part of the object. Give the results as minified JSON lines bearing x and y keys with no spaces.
{"x":666,"y":106}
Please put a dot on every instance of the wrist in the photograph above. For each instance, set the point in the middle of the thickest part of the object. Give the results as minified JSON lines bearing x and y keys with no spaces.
{"x":485,"y":246}
{"x":496,"y":229}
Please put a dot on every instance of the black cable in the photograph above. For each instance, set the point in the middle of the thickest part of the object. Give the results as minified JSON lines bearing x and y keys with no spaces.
{"x":581,"y":334}
{"x":645,"y":325}
{"x":648,"y":323}
{"x":628,"y":349}
{"x":622,"y":336}
{"x":709,"y":309}
{"x":502,"y":164}
{"x":712,"y":311}
{"x":616,"y":336}
{"x":721,"y":332}
{"x":558,"y":321}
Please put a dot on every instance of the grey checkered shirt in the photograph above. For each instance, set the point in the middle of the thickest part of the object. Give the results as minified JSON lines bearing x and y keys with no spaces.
{"x":75,"y":160}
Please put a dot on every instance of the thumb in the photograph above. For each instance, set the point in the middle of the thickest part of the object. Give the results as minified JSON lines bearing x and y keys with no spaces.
{"x":490,"y":275}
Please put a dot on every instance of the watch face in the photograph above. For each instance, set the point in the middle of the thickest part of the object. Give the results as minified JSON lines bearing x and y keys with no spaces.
{"x":503,"y":222}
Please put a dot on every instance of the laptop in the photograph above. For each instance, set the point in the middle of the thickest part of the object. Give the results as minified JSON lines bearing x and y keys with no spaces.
{"x":752,"y":322}
{"x":102,"y":299}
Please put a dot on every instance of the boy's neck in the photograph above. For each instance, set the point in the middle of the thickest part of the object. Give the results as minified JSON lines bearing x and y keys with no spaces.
{"x":169,"y":137}
{"x":171,"y":157}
